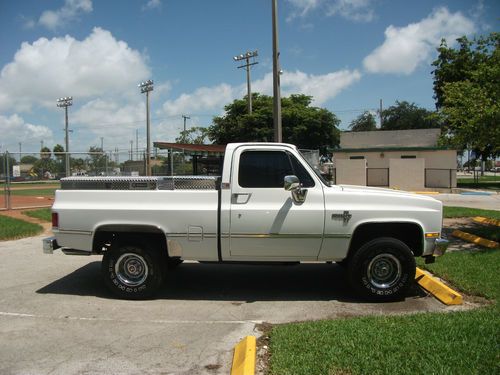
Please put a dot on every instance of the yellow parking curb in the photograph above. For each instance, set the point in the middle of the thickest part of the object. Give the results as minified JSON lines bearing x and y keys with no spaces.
{"x":475,"y":239}
{"x":426,"y":192}
{"x":483,"y":220}
{"x":244,"y":357}
{"x":442,"y":292}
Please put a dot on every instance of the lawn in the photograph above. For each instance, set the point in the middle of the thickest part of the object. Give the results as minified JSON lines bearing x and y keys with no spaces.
{"x":44,"y":214}
{"x":435,"y":343}
{"x":11,"y":228}
{"x":34,"y":192}
{"x":453,"y":212}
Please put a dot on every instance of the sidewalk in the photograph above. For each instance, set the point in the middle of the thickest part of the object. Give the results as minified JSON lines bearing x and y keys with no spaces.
{"x":487,"y":202}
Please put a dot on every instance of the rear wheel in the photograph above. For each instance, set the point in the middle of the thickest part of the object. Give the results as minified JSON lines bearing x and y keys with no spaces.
{"x":382,"y":269}
{"x":132,"y":272}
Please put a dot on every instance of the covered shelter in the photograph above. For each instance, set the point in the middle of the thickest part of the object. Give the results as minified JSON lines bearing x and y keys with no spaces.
{"x":206,"y":159}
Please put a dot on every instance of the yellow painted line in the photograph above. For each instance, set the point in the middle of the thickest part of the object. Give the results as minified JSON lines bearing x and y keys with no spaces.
{"x":426,"y":192}
{"x":475,"y":239}
{"x":244,"y":357}
{"x":439,"y":290}
{"x":483,"y":220}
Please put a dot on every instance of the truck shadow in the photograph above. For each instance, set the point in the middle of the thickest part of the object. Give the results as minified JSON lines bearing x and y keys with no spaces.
{"x":228,"y":282}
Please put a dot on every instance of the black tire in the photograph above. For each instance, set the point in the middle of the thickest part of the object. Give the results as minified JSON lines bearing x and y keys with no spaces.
{"x":132,"y":271}
{"x":382,"y":269}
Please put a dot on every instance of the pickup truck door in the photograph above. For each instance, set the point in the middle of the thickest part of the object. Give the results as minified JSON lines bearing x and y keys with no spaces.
{"x":265,"y":222}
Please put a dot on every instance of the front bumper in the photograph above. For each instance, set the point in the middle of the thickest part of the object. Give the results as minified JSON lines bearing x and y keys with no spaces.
{"x":435,"y":247}
{"x":440,"y":247}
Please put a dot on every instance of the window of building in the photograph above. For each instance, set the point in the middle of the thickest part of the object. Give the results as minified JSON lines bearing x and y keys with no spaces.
{"x":408,"y":156}
{"x":267,"y":169}
{"x":356,"y":157}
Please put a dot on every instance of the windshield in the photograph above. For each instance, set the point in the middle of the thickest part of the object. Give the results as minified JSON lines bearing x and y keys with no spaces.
{"x":316,"y":171}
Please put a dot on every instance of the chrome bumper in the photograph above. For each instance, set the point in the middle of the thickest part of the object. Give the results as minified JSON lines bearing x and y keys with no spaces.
{"x":49,"y":245}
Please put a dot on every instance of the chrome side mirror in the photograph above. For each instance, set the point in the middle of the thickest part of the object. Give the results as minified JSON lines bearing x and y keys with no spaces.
{"x":292,"y":183}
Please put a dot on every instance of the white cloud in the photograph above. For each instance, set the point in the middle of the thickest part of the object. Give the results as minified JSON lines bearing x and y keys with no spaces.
{"x":152,"y":4}
{"x":70,"y":11}
{"x":354,"y":10}
{"x":212,"y":99}
{"x":47,"y":69}
{"x":14,"y":129}
{"x":322,"y":87}
{"x":202,"y":99}
{"x":406,"y":47}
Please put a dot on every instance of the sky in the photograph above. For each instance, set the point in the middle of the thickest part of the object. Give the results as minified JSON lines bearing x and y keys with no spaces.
{"x":346,"y":54}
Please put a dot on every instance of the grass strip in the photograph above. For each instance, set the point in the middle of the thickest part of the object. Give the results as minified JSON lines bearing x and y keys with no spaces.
{"x":44,"y":214}
{"x":11,"y":228}
{"x":453,"y":212}
{"x":34,"y":192}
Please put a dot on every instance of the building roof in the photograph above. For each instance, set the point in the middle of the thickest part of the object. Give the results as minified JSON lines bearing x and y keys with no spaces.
{"x":412,"y":138}
{"x":387,"y":149}
{"x":193,"y":149}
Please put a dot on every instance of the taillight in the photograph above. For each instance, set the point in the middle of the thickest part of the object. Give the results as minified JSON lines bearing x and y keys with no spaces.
{"x":55,"y":220}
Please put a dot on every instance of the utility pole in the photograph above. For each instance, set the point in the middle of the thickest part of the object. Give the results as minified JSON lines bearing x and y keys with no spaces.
{"x":146,"y":88}
{"x":381,"y":119}
{"x":102,"y":143}
{"x":185,"y":118}
{"x":20,"y":151}
{"x":65,"y":103}
{"x":132,"y":150}
{"x":247,"y":56}
{"x":276,"y":77}
{"x":137,"y":144}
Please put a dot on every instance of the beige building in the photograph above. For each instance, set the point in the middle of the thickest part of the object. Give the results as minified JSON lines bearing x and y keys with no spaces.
{"x":401,"y":159}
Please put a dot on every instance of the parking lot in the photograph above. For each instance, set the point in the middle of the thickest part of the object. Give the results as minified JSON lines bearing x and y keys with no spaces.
{"x":56,"y":316}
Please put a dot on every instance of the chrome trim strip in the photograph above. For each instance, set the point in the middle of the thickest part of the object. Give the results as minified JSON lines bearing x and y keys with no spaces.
{"x":284,"y":235}
{"x":185,"y":235}
{"x":80,"y":232}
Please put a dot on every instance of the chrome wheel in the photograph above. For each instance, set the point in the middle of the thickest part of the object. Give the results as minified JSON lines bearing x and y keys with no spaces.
{"x":384,"y":271}
{"x":131,"y":269}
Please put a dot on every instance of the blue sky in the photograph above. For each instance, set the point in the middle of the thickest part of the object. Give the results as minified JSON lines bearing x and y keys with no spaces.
{"x":347,"y":54}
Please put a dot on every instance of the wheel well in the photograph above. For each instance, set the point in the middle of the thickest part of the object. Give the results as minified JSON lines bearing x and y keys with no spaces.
{"x":107,"y":238}
{"x":409,"y":233}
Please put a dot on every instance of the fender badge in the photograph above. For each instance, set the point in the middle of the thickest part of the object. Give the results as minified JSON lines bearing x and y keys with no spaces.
{"x":345,"y":217}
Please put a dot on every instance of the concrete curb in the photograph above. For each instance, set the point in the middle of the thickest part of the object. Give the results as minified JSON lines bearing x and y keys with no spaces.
{"x":439,"y":290}
{"x":244,"y":357}
{"x":484,"y":220}
{"x":475,"y":239}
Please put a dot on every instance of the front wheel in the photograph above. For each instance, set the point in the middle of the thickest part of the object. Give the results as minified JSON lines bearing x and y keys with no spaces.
{"x":132,"y":272}
{"x":382,"y":269}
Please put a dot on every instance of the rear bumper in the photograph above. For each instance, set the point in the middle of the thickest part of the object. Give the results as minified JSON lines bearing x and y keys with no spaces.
{"x":49,"y":245}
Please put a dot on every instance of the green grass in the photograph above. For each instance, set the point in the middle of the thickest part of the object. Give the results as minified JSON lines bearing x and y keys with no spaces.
{"x":11,"y":228}
{"x":454,"y":343}
{"x":44,"y":214}
{"x":34,"y":192}
{"x":436,"y":343}
{"x":453,"y":212}
{"x":495,"y":178}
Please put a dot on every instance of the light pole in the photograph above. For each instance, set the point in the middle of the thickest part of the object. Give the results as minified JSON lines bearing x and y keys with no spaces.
{"x":146,"y":87}
{"x":276,"y":77}
{"x":65,"y":103}
{"x":247,"y":56}
{"x":185,"y":118}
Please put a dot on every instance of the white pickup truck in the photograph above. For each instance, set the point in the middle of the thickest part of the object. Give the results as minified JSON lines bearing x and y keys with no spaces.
{"x":269,"y":205}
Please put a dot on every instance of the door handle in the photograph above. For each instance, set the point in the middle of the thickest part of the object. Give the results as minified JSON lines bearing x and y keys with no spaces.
{"x":240,"y":198}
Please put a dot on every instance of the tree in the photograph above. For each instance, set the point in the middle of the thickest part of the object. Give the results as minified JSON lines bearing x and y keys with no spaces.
{"x":194,"y":135}
{"x":466,"y":86}
{"x":28,"y":159}
{"x":303,"y":125}
{"x":59,"y":152}
{"x":97,"y":160}
{"x":404,"y":115}
{"x":45,"y":153}
{"x":364,"y":122}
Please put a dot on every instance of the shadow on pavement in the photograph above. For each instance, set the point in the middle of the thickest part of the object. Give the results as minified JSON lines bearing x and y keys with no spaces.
{"x":228,"y":282}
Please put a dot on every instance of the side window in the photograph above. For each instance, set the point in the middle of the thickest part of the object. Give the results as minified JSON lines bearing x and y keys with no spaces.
{"x":263,"y":169}
{"x":267,"y":169}
{"x":299,"y":170}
